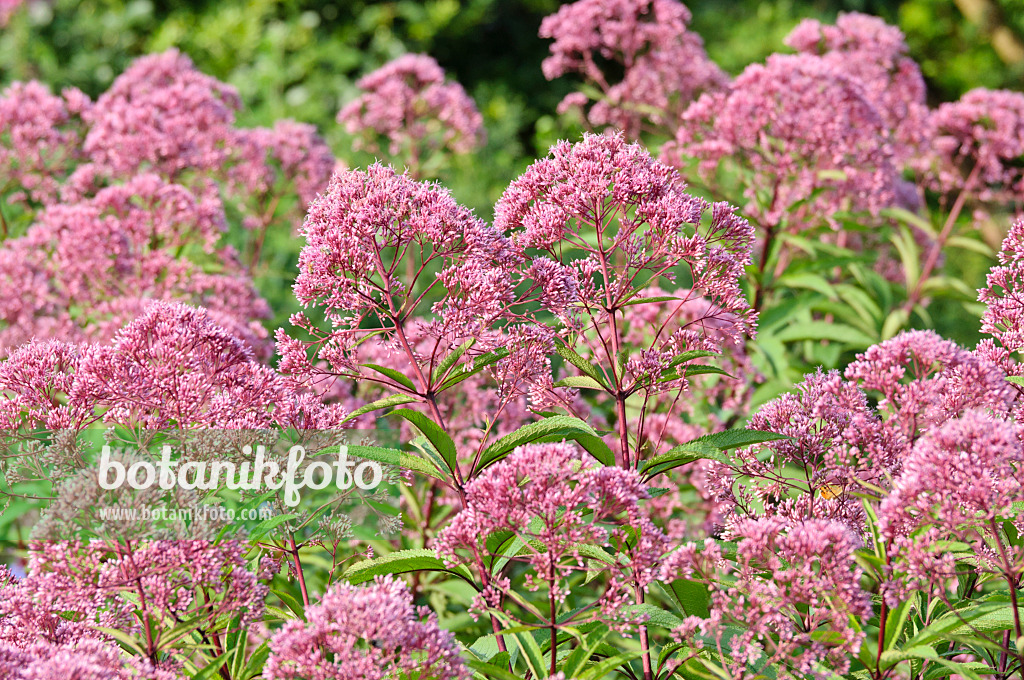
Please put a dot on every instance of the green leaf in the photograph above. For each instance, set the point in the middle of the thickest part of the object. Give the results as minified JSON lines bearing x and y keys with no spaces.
{"x":643,"y":301}
{"x":822,"y":330}
{"x":396,"y":457}
{"x":214,"y":667}
{"x":393,"y":400}
{"x":403,"y":562}
{"x":982,"y":618}
{"x":265,"y":527}
{"x":692,"y":597}
{"x":579,"y":362}
{"x":553,"y":428}
{"x":490,"y":670}
{"x":735,"y":439}
{"x":479,"y":364}
{"x":1016,"y":379}
{"x":809,"y":281}
{"x":656,"y":616}
{"x":397,"y":376}
{"x":254,"y":667}
{"x":606,"y":666}
{"x":895,"y":622}
{"x":443,"y":444}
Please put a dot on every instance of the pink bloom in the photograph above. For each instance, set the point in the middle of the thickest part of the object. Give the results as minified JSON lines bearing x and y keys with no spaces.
{"x":85,"y":268}
{"x":546,"y":495}
{"x":978,"y":145}
{"x":867,"y":49}
{"x":789,"y":601}
{"x":808,"y":139}
{"x":365,"y":633}
{"x":838,"y":443}
{"x":960,"y":483}
{"x":664,"y":66}
{"x":161,"y":115}
{"x":41,"y":139}
{"x":408,"y":103}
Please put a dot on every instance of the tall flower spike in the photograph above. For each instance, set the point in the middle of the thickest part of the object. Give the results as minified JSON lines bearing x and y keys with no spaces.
{"x":664,"y":65}
{"x":810,"y":136}
{"x":408,"y":103}
{"x":372,"y":632}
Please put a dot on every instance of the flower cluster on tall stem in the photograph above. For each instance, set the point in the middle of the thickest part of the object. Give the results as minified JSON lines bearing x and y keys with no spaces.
{"x":664,"y":66}
{"x":620,"y":222}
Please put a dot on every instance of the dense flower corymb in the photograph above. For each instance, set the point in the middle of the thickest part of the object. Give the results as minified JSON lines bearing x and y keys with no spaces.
{"x":869,"y":50}
{"x":408,"y":103}
{"x":664,"y":65}
{"x":365,"y":633}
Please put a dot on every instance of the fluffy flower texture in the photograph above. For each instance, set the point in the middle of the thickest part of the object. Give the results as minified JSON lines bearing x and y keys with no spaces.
{"x":961,"y":481}
{"x":1004,"y":293}
{"x":837,"y":442}
{"x":289,"y":151}
{"x":73,"y":588}
{"x":40,"y":139}
{"x":664,"y":65}
{"x":789,"y":601}
{"x":921,"y":380}
{"x":84,"y":269}
{"x":978,"y":146}
{"x":173,"y":367}
{"x":365,"y":633}
{"x":866,"y":48}
{"x":557,"y":503}
{"x":802,"y":127}
{"x":373,"y":243}
{"x":408,"y":103}
{"x":161,"y":114}
{"x":631,"y":219}
{"x":85,"y":660}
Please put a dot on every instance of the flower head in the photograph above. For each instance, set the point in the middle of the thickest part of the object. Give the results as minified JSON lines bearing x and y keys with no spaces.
{"x":372,"y":632}
{"x":664,"y":65}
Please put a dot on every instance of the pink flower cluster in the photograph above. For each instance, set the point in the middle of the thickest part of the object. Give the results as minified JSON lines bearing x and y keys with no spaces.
{"x":664,"y":66}
{"x":559,"y":506}
{"x":42,"y":137}
{"x":408,"y":103}
{"x":978,"y":146}
{"x":867,"y":49}
{"x":807,"y":138}
{"x":372,"y":633}
{"x":962,"y":481}
{"x":172,"y":368}
{"x":789,"y":601}
{"x":51,"y":620}
{"x":86,"y":268}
